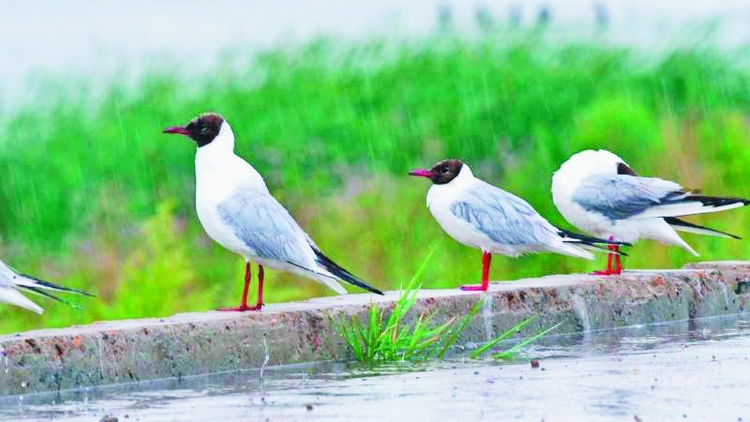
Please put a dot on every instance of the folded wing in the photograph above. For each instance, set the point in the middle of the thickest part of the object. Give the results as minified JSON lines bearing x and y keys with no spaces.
{"x":267,"y":228}
{"x":504,"y":218}
{"x":509,"y":220}
{"x":619,"y":197}
{"x":271,"y":233}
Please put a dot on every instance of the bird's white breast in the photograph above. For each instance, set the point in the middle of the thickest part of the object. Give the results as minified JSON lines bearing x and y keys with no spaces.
{"x":440,"y":199}
{"x":564,"y":185}
{"x":219,"y":174}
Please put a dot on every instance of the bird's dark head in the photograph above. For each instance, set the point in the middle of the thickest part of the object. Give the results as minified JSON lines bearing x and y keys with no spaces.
{"x":203,"y":129}
{"x":442,"y":172}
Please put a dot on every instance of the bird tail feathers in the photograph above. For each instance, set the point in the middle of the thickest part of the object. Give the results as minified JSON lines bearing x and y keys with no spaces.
{"x":14,"y":297}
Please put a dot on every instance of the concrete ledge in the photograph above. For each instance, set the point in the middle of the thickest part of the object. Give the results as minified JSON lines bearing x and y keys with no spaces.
{"x":201,"y":343}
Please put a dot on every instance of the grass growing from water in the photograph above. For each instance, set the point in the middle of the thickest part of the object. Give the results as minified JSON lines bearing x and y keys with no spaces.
{"x":93,"y":196}
{"x":512,"y":351}
{"x":404,"y":337}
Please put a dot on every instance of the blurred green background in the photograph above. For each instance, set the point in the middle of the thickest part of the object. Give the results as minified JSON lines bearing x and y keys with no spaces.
{"x":95,"y":197}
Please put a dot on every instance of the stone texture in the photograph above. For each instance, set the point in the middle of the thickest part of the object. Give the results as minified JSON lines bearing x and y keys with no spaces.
{"x":201,"y":343}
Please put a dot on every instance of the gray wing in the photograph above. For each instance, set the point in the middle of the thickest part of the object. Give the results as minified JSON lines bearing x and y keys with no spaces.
{"x":619,"y":197}
{"x":267,"y":227}
{"x":503,"y":217}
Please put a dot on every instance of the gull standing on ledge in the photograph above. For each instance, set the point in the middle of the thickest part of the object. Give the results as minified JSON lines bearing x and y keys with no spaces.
{"x":11,"y":282}
{"x":483,"y":216}
{"x":236,"y":209}
{"x":600,"y":194}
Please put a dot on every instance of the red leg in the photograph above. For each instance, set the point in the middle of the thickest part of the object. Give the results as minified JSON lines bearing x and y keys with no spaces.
{"x":259,"y":303}
{"x":608,"y":271}
{"x":486,"y":260}
{"x":243,"y":305}
{"x":618,"y":264}
{"x":611,"y":259}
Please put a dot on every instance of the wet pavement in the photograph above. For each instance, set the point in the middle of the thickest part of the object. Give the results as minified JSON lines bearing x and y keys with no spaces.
{"x":677,"y":371}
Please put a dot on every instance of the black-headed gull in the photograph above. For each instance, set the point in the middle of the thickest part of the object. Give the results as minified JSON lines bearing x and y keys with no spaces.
{"x":483,"y":216}
{"x":599,"y":193}
{"x":237,"y":211}
{"x":11,"y":282}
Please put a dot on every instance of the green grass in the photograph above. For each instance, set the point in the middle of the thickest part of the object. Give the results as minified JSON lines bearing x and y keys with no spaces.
{"x":400,"y":337}
{"x":95,"y":197}
{"x":405,"y":337}
{"x":513,"y":350}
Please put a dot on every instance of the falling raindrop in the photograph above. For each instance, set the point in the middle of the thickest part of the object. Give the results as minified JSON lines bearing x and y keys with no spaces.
{"x":487,"y":314}
{"x":4,"y":355}
{"x":266,"y":359}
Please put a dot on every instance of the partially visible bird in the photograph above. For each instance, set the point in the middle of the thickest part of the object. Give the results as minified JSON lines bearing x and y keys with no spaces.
{"x":12,"y":283}
{"x":483,"y":216}
{"x":599,"y":193}
{"x":237,"y":211}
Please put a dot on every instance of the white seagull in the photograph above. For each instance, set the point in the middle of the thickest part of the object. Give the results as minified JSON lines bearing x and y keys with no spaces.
{"x":599,"y":193}
{"x":483,"y":216}
{"x":12,"y":282}
{"x":236,"y":209}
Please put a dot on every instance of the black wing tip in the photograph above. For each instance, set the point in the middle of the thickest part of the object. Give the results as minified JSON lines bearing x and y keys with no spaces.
{"x":605,"y":249}
{"x":716,"y":201}
{"x":49,"y":295}
{"x":58,"y":287}
{"x":351,"y":279}
{"x":590,"y":240}
{"x":674,"y":221}
{"x":593,"y":242}
{"x":374,"y":290}
{"x":343,"y":274}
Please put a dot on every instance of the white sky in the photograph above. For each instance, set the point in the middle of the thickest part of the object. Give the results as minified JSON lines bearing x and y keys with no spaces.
{"x":95,"y":37}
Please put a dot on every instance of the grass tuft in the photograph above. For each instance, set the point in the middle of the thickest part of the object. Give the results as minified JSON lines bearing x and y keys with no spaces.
{"x":419,"y":338}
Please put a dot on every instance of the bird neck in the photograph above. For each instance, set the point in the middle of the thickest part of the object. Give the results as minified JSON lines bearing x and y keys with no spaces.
{"x":567,"y":179}
{"x":218,"y":150}
{"x":464,"y":180}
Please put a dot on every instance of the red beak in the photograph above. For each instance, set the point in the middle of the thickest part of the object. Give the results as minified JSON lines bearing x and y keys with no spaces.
{"x":178,"y":130}
{"x":421,"y":173}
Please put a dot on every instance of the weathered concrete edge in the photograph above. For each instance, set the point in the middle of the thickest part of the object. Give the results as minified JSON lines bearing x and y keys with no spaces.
{"x":201,"y":343}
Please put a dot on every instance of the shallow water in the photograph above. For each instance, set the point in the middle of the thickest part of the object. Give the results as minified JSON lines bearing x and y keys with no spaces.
{"x":677,"y":371}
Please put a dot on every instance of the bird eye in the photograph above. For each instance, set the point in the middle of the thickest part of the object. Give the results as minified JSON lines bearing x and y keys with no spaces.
{"x":445,"y":170}
{"x":204,"y":129}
